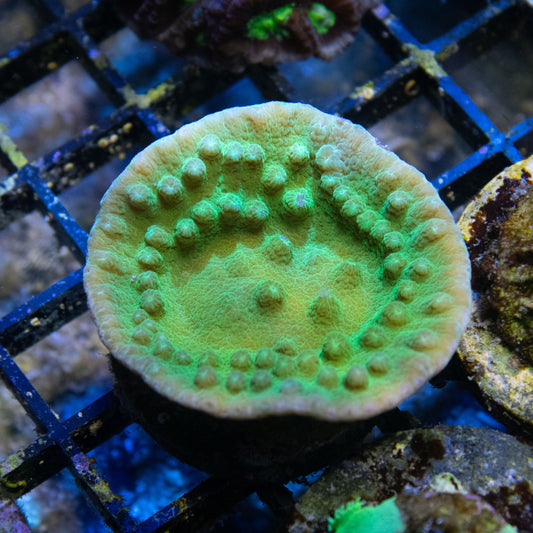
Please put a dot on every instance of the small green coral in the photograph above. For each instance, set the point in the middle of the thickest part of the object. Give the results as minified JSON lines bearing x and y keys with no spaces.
{"x":274,"y":23}
{"x":357,"y":518}
{"x":386,"y":517}
{"x":271,"y":24}
{"x":321,"y":18}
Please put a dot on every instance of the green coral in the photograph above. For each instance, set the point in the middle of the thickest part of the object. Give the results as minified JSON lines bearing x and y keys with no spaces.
{"x":357,"y":518}
{"x":418,"y":512}
{"x":290,"y":234}
{"x":274,"y":23}
{"x":271,"y":24}
{"x":321,"y":18}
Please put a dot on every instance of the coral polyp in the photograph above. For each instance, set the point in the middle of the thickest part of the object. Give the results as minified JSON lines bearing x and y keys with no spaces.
{"x":274,"y":260}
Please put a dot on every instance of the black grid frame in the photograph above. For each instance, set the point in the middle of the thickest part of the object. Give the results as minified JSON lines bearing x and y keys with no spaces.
{"x":419,"y":68}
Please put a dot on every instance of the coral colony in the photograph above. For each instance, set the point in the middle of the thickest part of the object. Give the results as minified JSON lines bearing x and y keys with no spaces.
{"x":497,"y":347}
{"x":274,"y":260}
{"x":230,"y":34}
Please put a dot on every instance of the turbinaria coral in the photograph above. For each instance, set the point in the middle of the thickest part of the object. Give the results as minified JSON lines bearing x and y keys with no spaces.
{"x":244,"y":300}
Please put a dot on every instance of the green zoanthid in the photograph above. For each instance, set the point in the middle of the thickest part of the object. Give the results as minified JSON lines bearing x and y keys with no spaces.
{"x":275,"y":23}
{"x":386,"y":517}
{"x":358,"y":518}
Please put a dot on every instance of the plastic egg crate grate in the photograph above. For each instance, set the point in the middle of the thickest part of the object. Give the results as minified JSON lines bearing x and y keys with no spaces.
{"x":418,"y":69}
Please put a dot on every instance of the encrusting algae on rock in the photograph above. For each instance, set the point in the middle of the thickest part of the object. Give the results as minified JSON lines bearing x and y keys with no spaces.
{"x":440,"y":479}
{"x":497,"y":347}
{"x":274,"y":260}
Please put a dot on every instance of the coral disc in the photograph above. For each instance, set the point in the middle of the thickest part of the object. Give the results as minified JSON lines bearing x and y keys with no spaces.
{"x":289,"y":237}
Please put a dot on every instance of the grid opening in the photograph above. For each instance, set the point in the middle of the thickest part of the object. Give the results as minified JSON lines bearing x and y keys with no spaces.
{"x":525,"y":144}
{"x":432,"y":18}
{"x":68,"y":367}
{"x":21,"y":20}
{"x":463,"y":190}
{"x":73,"y":5}
{"x":32,"y":242}
{"x":144,"y":64}
{"x":240,"y":93}
{"x":418,"y":134}
{"x":16,"y":429}
{"x":251,"y":514}
{"x":57,"y":505}
{"x":142,"y":473}
{"x":4,"y":172}
{"x":53,"y":110}
{"x":498,"y":79}
{"x":325,"y":83}
{"x":82,"y":200}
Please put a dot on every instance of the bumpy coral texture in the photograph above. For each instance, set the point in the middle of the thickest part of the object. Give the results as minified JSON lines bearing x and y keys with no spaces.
{"x":274,"y":259}
{"x":231,"y":34}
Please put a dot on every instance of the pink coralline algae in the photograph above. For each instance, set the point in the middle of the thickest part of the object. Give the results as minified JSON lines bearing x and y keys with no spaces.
{"x":231,"y":34}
